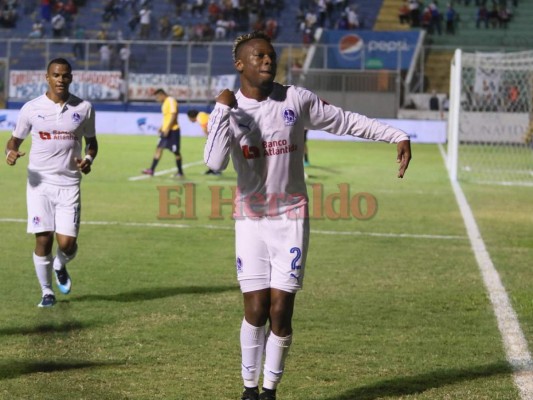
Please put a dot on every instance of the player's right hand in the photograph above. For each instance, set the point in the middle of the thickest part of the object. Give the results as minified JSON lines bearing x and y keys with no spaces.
{"x":227,"y":97}
{"x":12,"y":156}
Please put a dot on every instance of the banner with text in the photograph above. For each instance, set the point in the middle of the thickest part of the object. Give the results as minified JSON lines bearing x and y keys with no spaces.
{"x":89,"y":85}
{"x":190,"y":87}
{"x":370,"y":50}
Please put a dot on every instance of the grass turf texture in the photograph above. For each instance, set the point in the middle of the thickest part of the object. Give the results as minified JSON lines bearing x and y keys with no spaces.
{"x":155,"y":311}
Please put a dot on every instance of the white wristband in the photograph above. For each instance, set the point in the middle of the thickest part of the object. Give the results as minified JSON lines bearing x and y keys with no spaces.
{"x":7,"y":153}
{"x":89,"y":158}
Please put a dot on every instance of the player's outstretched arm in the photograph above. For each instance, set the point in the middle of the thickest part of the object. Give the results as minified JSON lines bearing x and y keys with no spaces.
{"x":12,"y":150}
{"x":404,"y":156}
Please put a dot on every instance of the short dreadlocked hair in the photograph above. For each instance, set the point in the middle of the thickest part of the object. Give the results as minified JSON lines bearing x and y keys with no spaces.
{"x":245,"y":38}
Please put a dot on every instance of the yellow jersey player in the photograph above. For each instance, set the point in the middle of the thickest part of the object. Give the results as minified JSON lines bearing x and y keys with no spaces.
{"x":169,"y":132}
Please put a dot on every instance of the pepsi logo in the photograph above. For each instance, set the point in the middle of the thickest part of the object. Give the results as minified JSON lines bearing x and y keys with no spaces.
{"x":350,"y":46}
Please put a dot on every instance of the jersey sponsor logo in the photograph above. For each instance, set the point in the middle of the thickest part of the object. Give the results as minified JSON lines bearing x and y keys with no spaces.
{"x":57,"y":135}
{"x":45,"y":135}
{"x":76,"y":117}
{"x":289,"y":116}
{"x":251,"y":152}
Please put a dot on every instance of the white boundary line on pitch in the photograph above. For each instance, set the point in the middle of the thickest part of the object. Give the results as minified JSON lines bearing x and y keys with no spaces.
{"x":226,"y":228}
{"x":163,"y":172}
{"x":514,"y":342}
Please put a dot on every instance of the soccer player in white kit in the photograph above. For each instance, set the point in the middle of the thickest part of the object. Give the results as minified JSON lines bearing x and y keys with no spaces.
{"x":262,"y":129}
{"x":57,"y":122}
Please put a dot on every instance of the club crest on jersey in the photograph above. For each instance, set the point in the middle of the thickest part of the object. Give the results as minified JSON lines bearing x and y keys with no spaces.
{"x":289,"y":116}
{"x":76,"y":117}
{"x":239,"y":265}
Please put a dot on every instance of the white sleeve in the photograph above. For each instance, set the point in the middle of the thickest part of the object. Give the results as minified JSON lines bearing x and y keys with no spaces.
{"x":23,"y":127}
{"x":335,"y":120}
{"x":218,"y":145}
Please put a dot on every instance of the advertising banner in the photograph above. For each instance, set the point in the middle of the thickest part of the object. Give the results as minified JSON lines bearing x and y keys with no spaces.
{"x":370,"y":50}
{"x":191,"y":87}
{"x":89,"y":85}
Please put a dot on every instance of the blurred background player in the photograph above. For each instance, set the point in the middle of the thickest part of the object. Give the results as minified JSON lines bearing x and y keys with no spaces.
{"x":262,"y":129}
{"x":169,"y":132}
{"x":201,"y":118}
{"x":57,"y":122}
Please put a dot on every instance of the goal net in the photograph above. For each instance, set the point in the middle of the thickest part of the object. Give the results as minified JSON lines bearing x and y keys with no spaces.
{"x":490,"y":128}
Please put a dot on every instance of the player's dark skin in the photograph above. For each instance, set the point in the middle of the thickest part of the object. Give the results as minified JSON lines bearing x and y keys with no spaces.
{"x":256,"y":64}
{"x":59,"y":78}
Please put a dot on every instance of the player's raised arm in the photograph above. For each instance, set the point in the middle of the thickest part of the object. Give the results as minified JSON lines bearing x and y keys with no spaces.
{"x":217,"y":147}
{"x":12,"y":150}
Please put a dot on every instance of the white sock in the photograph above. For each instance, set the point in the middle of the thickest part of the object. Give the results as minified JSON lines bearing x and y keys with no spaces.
{"x":62,"y":259}
{"x":276,"y":351}
{"x":43,"y":269}
{"x":252,"y":346}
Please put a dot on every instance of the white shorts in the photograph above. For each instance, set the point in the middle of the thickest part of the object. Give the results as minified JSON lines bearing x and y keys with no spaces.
{"x":271,"y":252}
{"x":53,"y":209}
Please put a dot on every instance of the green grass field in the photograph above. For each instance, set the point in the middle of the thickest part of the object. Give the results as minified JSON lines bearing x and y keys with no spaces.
{"x":393,"y":307}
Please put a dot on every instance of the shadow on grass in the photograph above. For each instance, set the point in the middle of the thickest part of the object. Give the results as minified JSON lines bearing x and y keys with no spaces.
{"x":404,"y":386}
{"x":10,"y":369}
{"x":155,"y":293}
{"x":45,"y":328}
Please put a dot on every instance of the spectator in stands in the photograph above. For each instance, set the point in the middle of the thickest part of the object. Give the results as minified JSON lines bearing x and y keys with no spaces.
{"x":404,"y":14}
{"x":177,"y":32}
{"x":124,"y":56}
{"x":37,"y":30}
{"x":221,"y":28}
{"x":414,"y":7}
{"x":271,"y":28}
{"x":111,"y":10}
{"x":70,"y":9}
{"x":213,"y":11}
{"x":58,"y":25}
{"x":425,"y":20}
{"x":493,"y":16}
{"x":451,"y":18}
{"x":503,"y":17}
{"x":434,"y":101}
{"x":105,"y":56}
{"x":8,"y":15}
{"x":436,"y":18}
{"x":164,"y":27}
{"x":342,"y":23}
{"x":145,"y":15}
{"x":46,"y":10}
{"x":482,"y":16}
{"x":353,"y":18}
{"x":134,"y":20}
{"x":321,"y":13}
{"x":198,"y":8}
{"x":78,"y":48}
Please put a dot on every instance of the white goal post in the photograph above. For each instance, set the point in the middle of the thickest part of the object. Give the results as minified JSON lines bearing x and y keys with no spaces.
{"x":490,"y":130}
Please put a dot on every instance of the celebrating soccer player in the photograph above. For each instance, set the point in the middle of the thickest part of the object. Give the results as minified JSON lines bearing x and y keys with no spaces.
{"x":57,"y":121}
{"x":262,"y":128}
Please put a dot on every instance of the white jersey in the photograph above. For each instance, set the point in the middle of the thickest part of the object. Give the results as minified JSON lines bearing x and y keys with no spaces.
{"x":266,"y":142}
{"x":56,"y":132}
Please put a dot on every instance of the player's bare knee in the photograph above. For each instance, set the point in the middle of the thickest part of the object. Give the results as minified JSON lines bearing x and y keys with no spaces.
{"x":67,"y":244}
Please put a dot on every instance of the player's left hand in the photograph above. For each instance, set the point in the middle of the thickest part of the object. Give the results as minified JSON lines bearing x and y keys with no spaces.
{"x":404,"y":156}
{"x":84,"y":165}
